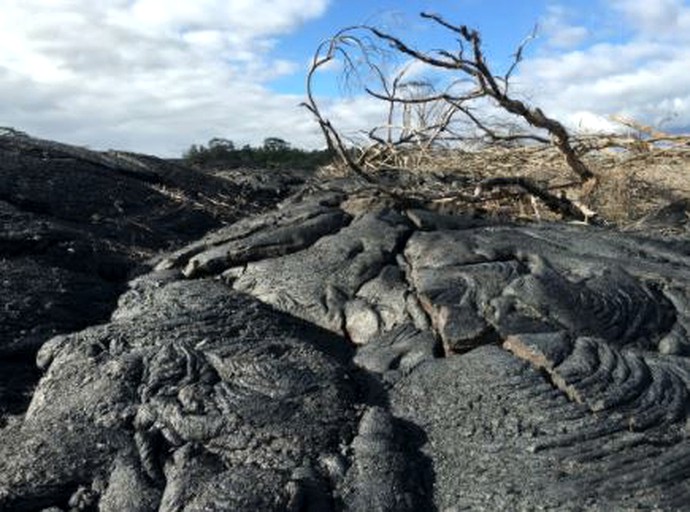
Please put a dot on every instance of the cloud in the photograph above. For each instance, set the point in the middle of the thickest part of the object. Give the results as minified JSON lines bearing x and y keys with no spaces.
{"x":575,"y":75}
{"x":660,"y":18}
{"x":158,"y":75}
{"x":642,"y":76}
{"x":582,"y":74}
{"x":246,"y":18}
{"x":558,"y":29}
{"x":150,"y":75}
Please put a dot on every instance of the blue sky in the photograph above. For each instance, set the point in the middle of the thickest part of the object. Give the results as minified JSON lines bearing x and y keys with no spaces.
{"x":158,"y":75}
{"x":501,"y":31}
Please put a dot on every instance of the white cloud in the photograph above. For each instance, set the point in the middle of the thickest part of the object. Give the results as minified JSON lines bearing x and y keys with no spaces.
{"x":159,"y":75}
{"x":353,"y":115}
{"x":578,"y":76}
{"x":245,"y":17}
{"x":643,"y":76}
{"x":589,"y":122}
{"x":558,"y":29}
{"x":150,"y":75}
{"x":660,"y":18}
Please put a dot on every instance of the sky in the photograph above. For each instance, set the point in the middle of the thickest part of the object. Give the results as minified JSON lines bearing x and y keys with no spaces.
{"x":156,"y":76}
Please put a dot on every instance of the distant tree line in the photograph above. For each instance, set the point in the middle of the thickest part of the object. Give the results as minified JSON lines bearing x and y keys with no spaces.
{"x":274,"y":153}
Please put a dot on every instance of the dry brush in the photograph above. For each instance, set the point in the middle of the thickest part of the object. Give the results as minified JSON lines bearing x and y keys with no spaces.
{"x":427,"y":123}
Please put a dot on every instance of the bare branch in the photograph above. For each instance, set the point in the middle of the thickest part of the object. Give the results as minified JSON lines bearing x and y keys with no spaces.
{"x":332,"y":137}
{"x":422,"y":57}
{"x":422,"y":121}
{"x":488,"y":85}
{"x":495,"y":136}
{"x":558,"y":204}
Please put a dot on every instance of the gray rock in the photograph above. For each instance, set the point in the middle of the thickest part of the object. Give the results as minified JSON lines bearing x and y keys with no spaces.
{"x":317,"y":283}
{"x":74,"y":224}
{"x":344,"y":353}
{"x":182,"y":404}
{"x":383,"y":475}
{"x":581,"y":426}
{"x":559,"y":342}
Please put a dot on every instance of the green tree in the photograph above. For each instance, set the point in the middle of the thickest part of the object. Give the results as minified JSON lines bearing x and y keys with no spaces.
{"x":220,"y":144}
{"x":276,"y":144}
{"x":275,"y":153}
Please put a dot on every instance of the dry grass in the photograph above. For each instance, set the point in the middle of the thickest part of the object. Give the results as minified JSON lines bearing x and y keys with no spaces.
{"x":635,"y":174}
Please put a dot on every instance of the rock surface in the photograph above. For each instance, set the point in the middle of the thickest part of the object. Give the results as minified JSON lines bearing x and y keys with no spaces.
{"x":73,"y":224}
{"x":334,"y":354}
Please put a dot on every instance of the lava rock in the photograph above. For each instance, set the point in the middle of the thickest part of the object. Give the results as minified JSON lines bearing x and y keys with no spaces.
{"x":201,"y":398}
{"x":343,"y":352}
{"x":74,"y":224}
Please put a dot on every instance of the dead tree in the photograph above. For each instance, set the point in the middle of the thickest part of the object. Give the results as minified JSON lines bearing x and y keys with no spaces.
{"x":487,"y":84}
{"x":358,"y":53}
{"x":473,"y":82}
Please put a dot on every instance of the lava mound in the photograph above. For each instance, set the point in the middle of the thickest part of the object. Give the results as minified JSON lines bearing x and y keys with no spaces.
{"x":328,"y":356}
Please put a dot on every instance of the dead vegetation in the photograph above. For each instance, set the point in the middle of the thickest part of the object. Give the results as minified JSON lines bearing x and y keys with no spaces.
{"x":491,"y":151}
